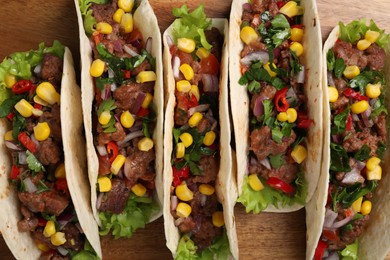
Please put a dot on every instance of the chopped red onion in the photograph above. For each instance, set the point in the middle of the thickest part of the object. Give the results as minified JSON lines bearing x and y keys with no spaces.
{"x":38,"y":69}
{"x":36,"y":142}
{"x":203,"y":199}
{"x":258,"y":109}
{"x":301,"y":76}
{"x":148,"y":45}
{"x":247,"y":7}
{"x":175,"y":67}
{"x":169,"y":41}
{"x":62,"y":250}
{"x":136,"y":43}
{"x":174,"y":202}
{"x":30,"y":186}
{"x":111,"y":73}
{"x":266,"y":163}
{"x":22,"y":158}
{"x":359,"y":164}
{"x":330,"y":79}
{"x":291,"y":96}
{"x":129,"y":137}
{"x":262,"y":56}
{"x":366,"y":117}
{"x":352,"y":177}
{"x":101,"y":150}
{"x":276,"y":53}
{"x":14,"y":147}
{"x":117,"y":46}
{"x":138,"y":102}
{"x":113,"y":87}
{"x":99,"y":200}
{"x":210,"y":83}
{"x":326,"y":253}
{"x":355,"y":117}
{"x":373,"y":102}
{"x":330,"y":217}
{"x":343,"y":222}
{"x":333,"y":256}
{"x":130,"y":51}
{"x":200,"y":108}
{"x":178,"y":221}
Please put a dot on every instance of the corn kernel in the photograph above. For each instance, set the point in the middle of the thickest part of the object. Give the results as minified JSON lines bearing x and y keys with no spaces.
{"x":58,"y":239}
{"x":297,"y":48}
{"x":24,"y":108}
{"x":183,"y":192}
{"x":299,"y":153}
{"x":148,"y":99}
{"x":145,"y":144}
{"x":37,"y":112}
{"x":351,"y":71}
{"x":42,"y":247}
{"x":333,"y":94}
{"x":183,"y":210}
{"x":291,"y":9}
{"x":185,"y":44}
{"x":248,"y":35}
{"x":372,"y":163}
{"x":195,"y":91}
{"x":42,"y":131}
{"x":359,"y":107}
{"x":104,"y":117}
{"x":139,"y":190}
{"x":126,"y":5}
{"x":363,"y":44}
{"x":209,"y":138}
{"x":218,"y":220}
{"x":366,"y":207}
{"x":374,"y":174}
{"x":146,"y":76}
{"x":180,"y":150}
{"x":127,"y":22}
{"x":72,"y":242}
{"x":206,"y":189}
{"x":104,"y":28}
{"x":296,"y":34}
{"x":255,"y":182}
{"x":104,"y":184}
{"x":373,"y":90}
{"x":282,"y":117}
{"x":40,"y":101}
{"x":8,"y":136}
{"x":291,"y":115}
{"x":372,"y":36}
{"x":186,"y":139}
{"x":50,"y":229}
{"x":9,"y":80}
{"x":357,"y":205}
{"x":183,"y":86}
{"x":202,"y":53}
{"x":195,"y":119}
{"x":117,"y":163}
{"x":127,"y":119}
{"x":187,"y":71}
{"x":270,"y":72}
{"x":97,"y":68}
{"x":117,"y":17}
{"x":48,"y":93}
{"x":60,"y":171}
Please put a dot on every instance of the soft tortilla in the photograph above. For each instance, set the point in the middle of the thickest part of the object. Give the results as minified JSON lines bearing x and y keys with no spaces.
{"x":226,"y":184}
{"x":145,"y":21}
{"x":240,"y":101}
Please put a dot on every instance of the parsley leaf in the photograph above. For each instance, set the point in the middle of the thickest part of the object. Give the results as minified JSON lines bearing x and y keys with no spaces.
{"x":339,"y":67}
{"x":365,"y":77}
{"x":42,"y":187}
{"x":18,"y":124}
{"x":363,"y":153}
{"x":276,"y":161}
{"x":33,"y":163}
{"x":268,"y":120}
{"x":339,"y":159}
{"x":277,"y":135}
{"x":380,"y":151}
{"x":330,"y":60}
{"x":340,"y":121}
{"x":8,"y":104}
{"x":106,"y":105}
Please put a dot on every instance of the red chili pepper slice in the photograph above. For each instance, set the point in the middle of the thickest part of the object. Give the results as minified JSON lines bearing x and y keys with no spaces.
{"x":42,"y":222}
{"x":22,"y":86}
{"x":180,"y":175}
{"x":320,"y":250}
{"x":279,"y":184}
{"x":143,"y":112}
{"x":15,"y":171}
{"x":348,"y":125}
{"x":190,"y":102}
{"x":27,"y":142}
{"x":61,"y":185}
{"x":10,"y":116}
{"x":126,"y":74}
{"x":354,"y":94}
{"x":281,"y":103}
{"x":112,"y":150}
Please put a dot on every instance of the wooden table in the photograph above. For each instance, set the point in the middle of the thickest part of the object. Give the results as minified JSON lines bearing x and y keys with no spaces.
{"x":26,"y":23}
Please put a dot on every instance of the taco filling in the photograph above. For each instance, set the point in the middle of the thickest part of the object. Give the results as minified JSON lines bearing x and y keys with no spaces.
{"x":33,"y":83}
{"x":274,"y":76}
{"x":356,"y":90}
{"x":123,"y":116}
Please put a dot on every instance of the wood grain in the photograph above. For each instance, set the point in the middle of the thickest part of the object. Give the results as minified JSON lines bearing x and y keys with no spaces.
{"x":24,"y":24}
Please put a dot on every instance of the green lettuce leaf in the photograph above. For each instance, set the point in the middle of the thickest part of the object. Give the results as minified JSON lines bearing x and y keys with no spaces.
{"x":350,"y":252}
{"x":33,"y":163}
{"x":89,"y":20}
{"x":88,"y":253}
{"x":356,"y":30}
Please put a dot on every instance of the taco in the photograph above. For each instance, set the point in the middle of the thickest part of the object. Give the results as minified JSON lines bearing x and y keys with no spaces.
{"x":355,"y":122}
{"x":45,"y":199}
{"x":275,"y":95}
{"x":122,"y":103}
{"x":199,"y":189}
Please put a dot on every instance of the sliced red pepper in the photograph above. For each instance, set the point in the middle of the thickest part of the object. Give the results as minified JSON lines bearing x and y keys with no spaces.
{"x":112,"y":150}
{"x":320,"y":250}
{"x":279,"y":184}
{"x":280,"y":4}
{"x":10,"y":116}
{"x":330,"y":235}
{"x":27,"y":142}
{"x":348,"y":125}
{"x":126,"y":74}
{"x":97,"y":37}
{"x":38,"y":106}
{"x":305,"y":124}
{"x":180,"y":175}
{"x":22,"y":86}
{"x":42,"y":222}
{"x":143,"y":112}
{"x":354,"y":94}
{"x":280,"y":100}
{"x":190,"y":101}
{"x":15,"y":171}
{"x":61,"y":185}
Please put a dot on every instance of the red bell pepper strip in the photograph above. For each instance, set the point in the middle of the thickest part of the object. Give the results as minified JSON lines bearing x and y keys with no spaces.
{"x":279,"y":184}
{"x":27,"y":142}
{"x":280,"y":4}
{"x":143,"y":112}
{"x":126,"y":74}
{"x":180,"y":175}
{"x":348,"y":125}
{"x":38,"y":106}
{"x":112,"y":150}
{"x":22,"y":86}
{"x":305,"y":124}
{"x":42,"y":222}
{"x":281,"y":103}
{"x":10,"y":116}
{"x":15,"y":171}
{"x":61,"y":185}
{"x":320,"y":250}
{"x":354,"y":94}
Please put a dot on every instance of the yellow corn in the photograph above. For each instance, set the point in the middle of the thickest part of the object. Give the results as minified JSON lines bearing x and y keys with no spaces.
{"x":146,"y":76}
{"x":9,"y":80}
{"x":127,"y":119}
{"x":209,"y":138}
{"x":104,"y":117}
{"x":185,"y":44}
{"x":37,"y":112}
{"x":104,"y":28}
{"x":42,"y":247}
{"x":42,"y":131}
{"x":183,"y":192}
{"x":50,"y":229}
{"x":363,"y":44}
{"x":297,"y":48}
{"x":117,"y":17}
{"x":187,"y":71}
{"x":40,"y":101}
{"x":270,"y":72}
{"x":372,"y":36}
{"x":291,"y":9}
{"x":351,"y":71}
{"x":48,"y":93}
{"x":299,"y":153}
{"x":373,"y":90}
{"x":186,"y":139}
{"x":183,"y":86}
{"x":372,"y":163}
{"x":218,"y":220}
{"x":139,"y":190}
{"x":126,"y":5}
{"x":183,"y":210}
{"x":255,"y":182}
{"x":333,"y":94}
{"x":117,"y":163}
{"x":357,"y":205}
{"x":374,"y":170}
{"x":248,"y":35}
{"x":24,"y":108}
{"x":60,"y":171}
{"x":97,"y":68}
{"x":296,"y":34}
{"x":104,"y":184}
{"x":72,"y":242}
{"x":145,"y":144}
{"x":366,"y":207}
{"x":180,"y":150}
{"x":127,"y":22}
{"x":195,"y":119}
{"x":282,"y":117}
{"x":206,"y":189}
{"x":58,"y":239}
{"x":202,"y":53}
{"x":148,"y":99}
{"x":359,"y":107}
{"x":195,"y":91}
{"x":291,"y":115}
{"x":8,"y":136}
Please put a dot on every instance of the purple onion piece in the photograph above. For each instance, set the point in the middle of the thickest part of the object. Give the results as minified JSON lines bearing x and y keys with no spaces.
{"x":175,"y":67}
{"x":22,"y":158}
{"x":333,"y":256}
{"x":62,"y":250}
{"x":117,"y":46}
{"x":14,"y":147}
{"x":130,"y":51}
{"x":330,"y":217}
{"x":247,"y":7}
{"x":136,"y":43}
{"x":343,"y":222}
{"x":99,"y":200}
{"x":353,"y":177}
{"x":30,"y":186}
{"x":174,"y":202}
{"x":301,"y":76}
{"x":148,"y":45}
{"x":200,"y":108}
{"x":276,"y":52}
{"x":101,"y":150}
{"x":266,"y":163}
{"x":258,"y":109}
{"x":330,"y":79}
{"x":138,"y":102}
{"x":130,"y":137}
{"x":366,"y":117}
{"x":262,"y":56}
{"x":291,"y":96}
{"x":210,"y":83}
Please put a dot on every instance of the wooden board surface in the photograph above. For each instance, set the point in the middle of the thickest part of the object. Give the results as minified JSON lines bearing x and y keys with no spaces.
{"x":26,"y":23}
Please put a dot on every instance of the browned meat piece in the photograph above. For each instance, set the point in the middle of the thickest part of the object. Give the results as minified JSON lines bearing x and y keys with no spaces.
{"x":74,"y":239}
{"x":38,"y":236}
{"x":380,"y":126}
{"x":181,"y":108}
{"x":247,"y":16}
{"x":266,"y":92}
{"x":54,"y":121}
{"x":273,"y":9}
{"x":215,"y":38}
{"x":260,"y":6}
{"x":52,"y":255}
{"x":30,"y":124}
{"x":340,"y":84}
{"x":358,"y":139}
{"x":342,"y":101}
{"x":104,"y":138}
{"x":350,"y":54}
{"x":104,"y":165}
{"x":197,"y":77}
{"x":104,"y":12}
{"x":209,"y":166}
{"x":49,"y":152}
{"x":51,"y":202}
{"x":209,"y":207}
{"x":185,"y":58}
{"x":263,"y":145}
{"x":205,"y":232}
{"x":375,"y":57}
{"x":126,"y":95}
{"x":139,"y":165}
{"x":115,"y":200}
{"x":29,"y":222}
{"x":203,"y":126}
{"x":51,"y":69}
{"x":144,"y":66}
{"x":187,"y":225}
{"x":286,"y":172}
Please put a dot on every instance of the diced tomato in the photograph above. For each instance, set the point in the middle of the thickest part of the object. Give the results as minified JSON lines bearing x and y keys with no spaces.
{"x":143,"y":112}
{"x":191,"y":102}
{"x":280,"y":100}
{"x":330,"y":235}
{"x":135,"y":35}
{"x":209,"y":65}
{"x":348,"y":125}
{"x":42,"y":222}
{"x":15,"y":171}
{"x":280,"y":4}
{"x":27,"y":142}
{"x":180,"y":175}
{"x":320,"y":250}
{"x":349,"y":92}
{"x":61,"y":185}
{"x":97,"y":37}
{"x":22,"y":86}
{"x":126,"y":74}
{"x":10,"y":116}
{"x":112,"y":150}
{"x":38,"y":106}
{"x":305,"y":124}
{"x":279,"y":184}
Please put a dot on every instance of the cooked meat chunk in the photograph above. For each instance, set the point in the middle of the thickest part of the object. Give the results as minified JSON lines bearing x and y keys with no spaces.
{"x":51,"y":69}
{"x":139,"y":165}
{"x":205,"y":208}
{"x":215,"y":38}
{"x":204,"y":232}
{"x":49,"y":152}
{"x":181,"y":108}
{"x":74,"y":239}
{"x":51,"y":202}
{"x":126,"y":95}
{"x":350,"y":54}
{"x":287,"y":172}
{"x":340,"y":84}
{"x":54,"y":121}
{"x":358,"y":139}
{"x":375,"y":57}
{"x":29,"y":221}
{"x":105,"y":138}
{"x":104,"y":165}
{"x":203,"y":126}
{"x":380,"y":126}
{"x":144,"y":66}
{"x":115,"y":200}
{"x":260,"y":6}
{"x":341,"y":102}
{"x":209,"y":166}
{"x":187,"y":225}
{"x":104,"y":12}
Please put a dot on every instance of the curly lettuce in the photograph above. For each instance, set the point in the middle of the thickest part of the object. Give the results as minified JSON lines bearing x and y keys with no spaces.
{"x":88,"y":20}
